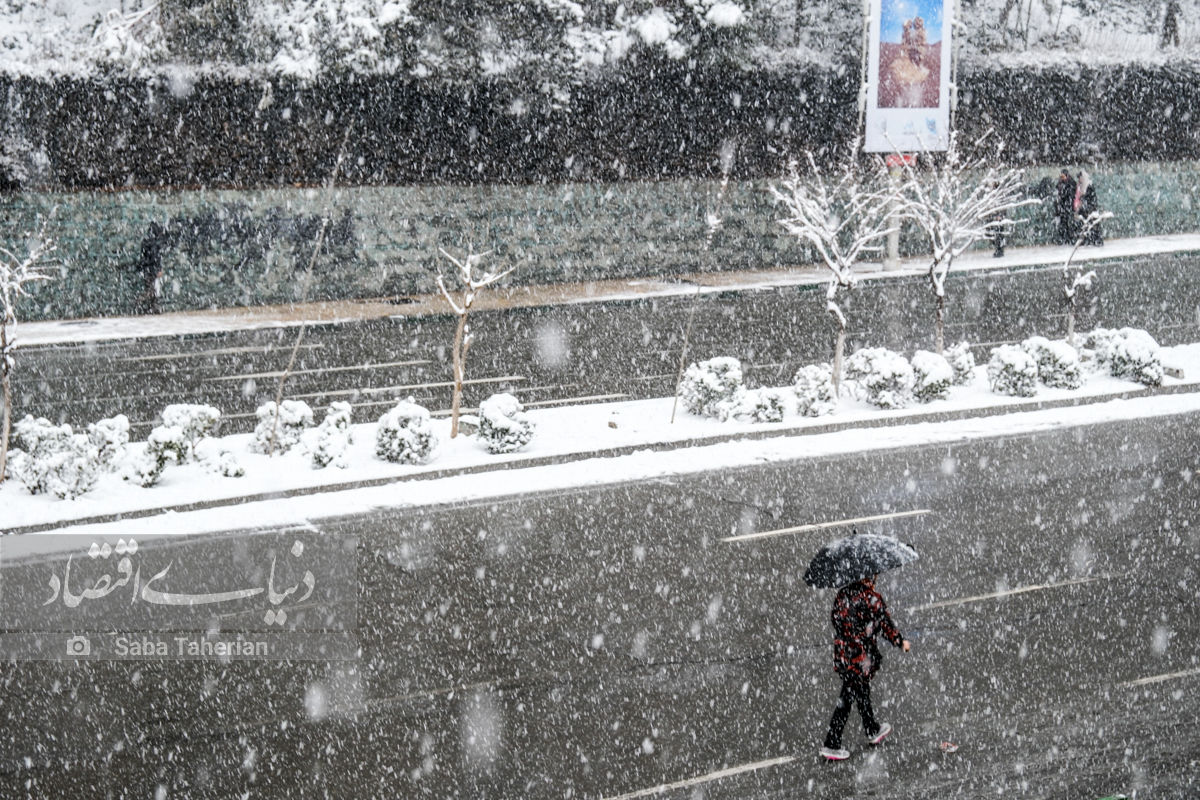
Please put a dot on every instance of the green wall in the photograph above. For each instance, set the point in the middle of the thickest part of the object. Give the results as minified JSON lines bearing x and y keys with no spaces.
{"x":247,"y":247}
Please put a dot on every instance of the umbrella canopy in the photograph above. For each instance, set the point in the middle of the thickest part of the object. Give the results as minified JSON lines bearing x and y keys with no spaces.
{"x":856,"y":557}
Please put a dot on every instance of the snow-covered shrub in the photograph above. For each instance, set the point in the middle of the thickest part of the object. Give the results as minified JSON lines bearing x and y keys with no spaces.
{"x":165,"y":445}
{"x":763,"y":405}
{"x":1129,"y":353}
{"x":1013,"y":371}
{"x":962,"y":362}
{"x":933,"y":375}
{"x":110,"y":437}
{"x":332,"y":437}
{"x":53,"y":458}
{"x":712,"y":388}
{"x":194,"y":421}
{"x":504,"y":427}
{"x":222,"y":462}
{"x":1057,"y":361}
{"x":405,"y":434}
{"x":1100,"y":342}
{"x":1137,"y":357}
{"x":884,"y":378}
{"x":813,"y":386}
{"x":295,"y":417}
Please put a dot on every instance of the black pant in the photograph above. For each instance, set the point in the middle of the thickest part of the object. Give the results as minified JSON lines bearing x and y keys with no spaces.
{"x":855,"y":690}
{"x":1067,"y":230}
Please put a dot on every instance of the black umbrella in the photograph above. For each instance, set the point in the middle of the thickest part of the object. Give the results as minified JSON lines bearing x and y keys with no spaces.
{"x":856,"y":557}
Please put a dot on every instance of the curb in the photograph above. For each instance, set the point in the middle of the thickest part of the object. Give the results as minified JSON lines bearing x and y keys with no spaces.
{"x":613,"y":452}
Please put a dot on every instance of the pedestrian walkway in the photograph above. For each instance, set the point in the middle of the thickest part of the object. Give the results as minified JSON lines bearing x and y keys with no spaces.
{"x":339,"y":311}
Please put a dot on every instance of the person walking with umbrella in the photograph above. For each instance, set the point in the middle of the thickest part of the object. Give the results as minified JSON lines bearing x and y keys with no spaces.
{"x":859,"y":616}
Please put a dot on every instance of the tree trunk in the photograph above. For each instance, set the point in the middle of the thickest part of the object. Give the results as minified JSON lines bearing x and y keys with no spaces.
{"x":459,"y":358}
{"x":1071,"y":323}
{"x":839,"y":349}
{"x":940,"y":337}
{"x":5,"y":427}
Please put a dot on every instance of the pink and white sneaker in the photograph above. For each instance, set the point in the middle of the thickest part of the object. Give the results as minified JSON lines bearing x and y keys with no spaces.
{"x":884,"y":730}
{"x":835,"y":753}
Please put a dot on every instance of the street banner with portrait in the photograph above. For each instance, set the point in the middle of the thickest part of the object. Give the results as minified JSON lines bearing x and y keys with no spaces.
{"x":908,"y":76}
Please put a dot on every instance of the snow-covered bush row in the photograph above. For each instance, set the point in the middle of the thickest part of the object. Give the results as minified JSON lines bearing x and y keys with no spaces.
{"x":933,"y":376}
{"x":53,"y":458}
{"x":1013,"y":371}
{"x":1057,"y":362}
{"x":883,"y":378}
{"x":712,"y":388}
{"x":504,"y":427}
{"x":286,"y":425}
{"x":405,"y":434}
{"x":1129,"y":353}
{"x":962,"y":362}
{"x":329,"y":442}
{"x":813,"y":386}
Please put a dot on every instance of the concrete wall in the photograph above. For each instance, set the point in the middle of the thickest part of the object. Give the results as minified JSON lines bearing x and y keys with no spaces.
{"x":246,"y":247}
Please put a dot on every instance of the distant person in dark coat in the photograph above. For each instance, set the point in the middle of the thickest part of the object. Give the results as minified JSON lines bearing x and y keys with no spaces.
{"x":859,"y":615}
{"x":1170,"y":34}
{"x":1065,"y":207}
{"x":150,"y":268}
{"x":998,"y":227}
{"x":1085,"y":194}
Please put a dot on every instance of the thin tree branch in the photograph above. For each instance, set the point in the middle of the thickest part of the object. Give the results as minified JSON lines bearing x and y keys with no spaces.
{"x":305,"y":287}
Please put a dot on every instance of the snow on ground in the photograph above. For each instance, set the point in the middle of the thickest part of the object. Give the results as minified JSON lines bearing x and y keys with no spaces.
{"x":198,"y":322}
{"x":570,"y":435}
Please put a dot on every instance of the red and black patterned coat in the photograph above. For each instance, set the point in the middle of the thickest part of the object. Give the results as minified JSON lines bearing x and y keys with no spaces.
{"x":859,"y":616}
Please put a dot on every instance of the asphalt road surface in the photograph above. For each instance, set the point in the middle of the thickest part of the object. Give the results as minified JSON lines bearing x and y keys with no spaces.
{"x":609,"y":642}
{"x":584,"y":352}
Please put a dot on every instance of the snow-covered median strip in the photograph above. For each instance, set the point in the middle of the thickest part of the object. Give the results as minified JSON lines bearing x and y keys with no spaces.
{"x":612,"y":442}
{"x":644,"y":465}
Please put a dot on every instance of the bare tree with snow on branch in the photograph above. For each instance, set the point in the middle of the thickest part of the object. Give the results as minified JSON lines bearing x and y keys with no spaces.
{"x":957,"y":203}
{"x":844,"y":217}
{"x":471,"y":285}
{"x":1074,"y":278}
{"x":16,"y":274}
{"x":712,"y":222}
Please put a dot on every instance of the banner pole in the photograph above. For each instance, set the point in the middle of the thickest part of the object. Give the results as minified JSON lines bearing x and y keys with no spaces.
{"x":862,"y":86}
{"x":954,"y":63}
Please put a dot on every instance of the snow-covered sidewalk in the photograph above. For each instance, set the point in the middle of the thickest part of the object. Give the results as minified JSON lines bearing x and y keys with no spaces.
{"x":341,"y":311}
{"x":574,"y":446}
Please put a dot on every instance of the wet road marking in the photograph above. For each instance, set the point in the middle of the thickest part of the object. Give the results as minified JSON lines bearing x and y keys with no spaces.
{"x":1169,"y":676}
{"x":383,"y":389}
{"x":318,"y":370}
{"x":821,"y":525}
{"x":220,"y":351}
{"x":592,"y":398}
{"x":383,"y":702}
{"x":712,"y":776}
{"x":959,"y":601}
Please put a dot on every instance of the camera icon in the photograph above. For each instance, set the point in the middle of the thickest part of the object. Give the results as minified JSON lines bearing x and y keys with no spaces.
{"x":78,"y":646}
